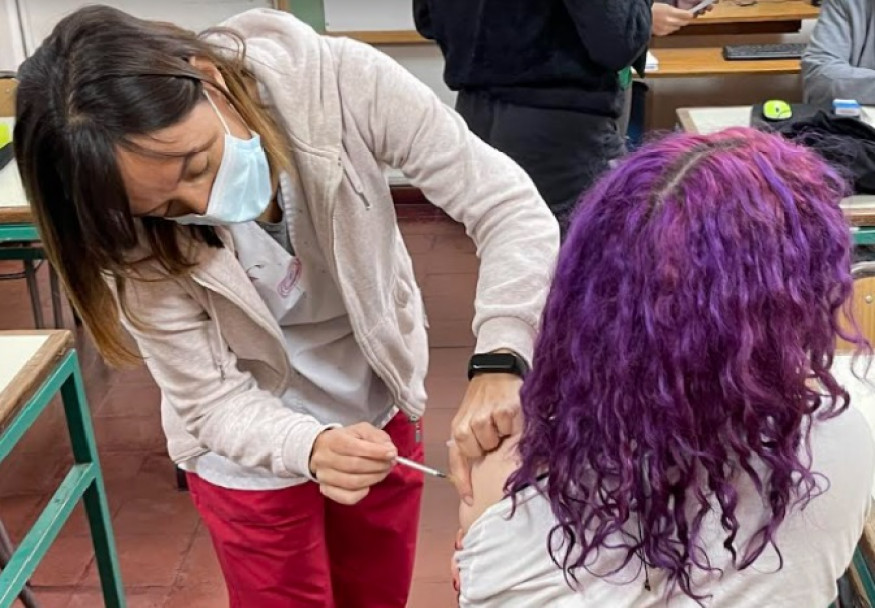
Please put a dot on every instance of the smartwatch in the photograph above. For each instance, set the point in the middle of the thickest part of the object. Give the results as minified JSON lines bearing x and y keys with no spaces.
{"x":497,"y":363}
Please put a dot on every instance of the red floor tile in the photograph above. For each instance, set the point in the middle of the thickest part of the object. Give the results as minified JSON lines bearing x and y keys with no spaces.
{"x":198,"y":596}
{"x":136,"y":400}
{"x":200,"y":565}
{"x":49,"y":599}
{"x":149,"y":598}
{"x":23,"y":473}
{"x":171,"y":513}
{"x":432,"y":594}
{"x":437,"y":425}
{"x":147,"y":560}
{"x":130,"y":434}
{"x":66,"y":562}
{"x":120,"y":466}
{"x":433,"y":555}
{"x":440,"y":508}
{"x":18,"y":513}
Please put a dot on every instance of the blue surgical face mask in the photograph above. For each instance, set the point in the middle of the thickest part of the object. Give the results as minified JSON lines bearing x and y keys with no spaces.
{"x":242,"y":189}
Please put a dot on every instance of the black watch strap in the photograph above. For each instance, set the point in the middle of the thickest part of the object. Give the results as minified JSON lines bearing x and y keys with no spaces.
{"x":497,"y":363}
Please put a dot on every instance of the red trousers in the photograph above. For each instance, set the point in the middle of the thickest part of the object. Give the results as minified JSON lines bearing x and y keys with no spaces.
{"x":294,"y":548}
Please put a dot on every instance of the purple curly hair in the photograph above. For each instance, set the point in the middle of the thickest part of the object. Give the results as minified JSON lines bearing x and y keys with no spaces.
{"x":694,"y":313}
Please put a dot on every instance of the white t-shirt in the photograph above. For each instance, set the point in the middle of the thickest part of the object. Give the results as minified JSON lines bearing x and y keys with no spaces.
{"x":505,"y":562}
{"x":331,"y":380}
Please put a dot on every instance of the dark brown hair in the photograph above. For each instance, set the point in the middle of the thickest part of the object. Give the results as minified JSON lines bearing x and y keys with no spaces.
{"x":101,"y":77}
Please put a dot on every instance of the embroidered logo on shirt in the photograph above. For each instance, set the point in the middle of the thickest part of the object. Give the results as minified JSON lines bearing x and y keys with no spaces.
{"x":293,"y":273}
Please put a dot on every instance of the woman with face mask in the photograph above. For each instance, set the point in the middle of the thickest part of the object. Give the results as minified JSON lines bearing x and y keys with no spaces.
{"x":222,"y":198}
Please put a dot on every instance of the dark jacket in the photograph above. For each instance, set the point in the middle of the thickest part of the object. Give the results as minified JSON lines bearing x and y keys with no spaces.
{"x":846,"y":143}
{"x":542,"y":53}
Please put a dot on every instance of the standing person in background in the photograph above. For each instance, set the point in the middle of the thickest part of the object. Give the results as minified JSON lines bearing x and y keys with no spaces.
{"x":540,"y":80}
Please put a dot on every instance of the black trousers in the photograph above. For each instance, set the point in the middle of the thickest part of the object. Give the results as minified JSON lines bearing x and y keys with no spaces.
{"x":563,"y":151}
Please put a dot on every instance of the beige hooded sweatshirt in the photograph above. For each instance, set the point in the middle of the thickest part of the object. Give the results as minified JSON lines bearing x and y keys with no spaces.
{"x":349,"y":111}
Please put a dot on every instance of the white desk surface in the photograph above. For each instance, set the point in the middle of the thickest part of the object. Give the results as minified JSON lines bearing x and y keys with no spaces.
{"x":11,"y":189}
{"x":705,"y":121}
{"x":16,"y":351}
{"x":27,"y":358}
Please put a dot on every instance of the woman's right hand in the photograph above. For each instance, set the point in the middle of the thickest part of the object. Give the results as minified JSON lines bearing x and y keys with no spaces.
{"x":347,"y":461}
{"x":667,"y":19}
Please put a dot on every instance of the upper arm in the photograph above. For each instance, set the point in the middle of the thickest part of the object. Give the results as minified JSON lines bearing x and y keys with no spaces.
{"x":488,"y":478}
{"x":406,"y":126}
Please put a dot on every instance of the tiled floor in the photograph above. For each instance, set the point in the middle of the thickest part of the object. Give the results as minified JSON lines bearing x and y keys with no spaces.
{"x":166,"y":557}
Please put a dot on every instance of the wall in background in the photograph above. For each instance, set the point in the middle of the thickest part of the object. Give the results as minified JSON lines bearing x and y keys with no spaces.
{"x":11,"y":45}
{"x":38,"y":17}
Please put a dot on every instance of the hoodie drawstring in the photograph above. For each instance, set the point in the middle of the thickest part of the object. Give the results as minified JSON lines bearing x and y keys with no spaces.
{"x":218,"y":357}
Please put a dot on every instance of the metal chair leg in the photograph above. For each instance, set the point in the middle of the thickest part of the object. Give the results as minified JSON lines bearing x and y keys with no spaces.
{"x":57,"y":305}
{"x":181,"y":480}
{"x":6,"y":551}
{"x":33,"y":290}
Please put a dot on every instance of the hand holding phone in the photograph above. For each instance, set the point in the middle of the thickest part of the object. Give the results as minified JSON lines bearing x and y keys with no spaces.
{"x":701,"y":7}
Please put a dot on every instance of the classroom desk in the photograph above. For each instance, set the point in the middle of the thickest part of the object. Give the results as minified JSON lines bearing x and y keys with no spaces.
{"x":763,"y":11}
{"x":708,"y":61}
{"x":859,"y":209}
{"x":17,"y":237}
{"x":34,"y":367}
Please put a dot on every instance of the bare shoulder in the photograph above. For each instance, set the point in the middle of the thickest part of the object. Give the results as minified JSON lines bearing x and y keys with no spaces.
{"x":488,"y":476}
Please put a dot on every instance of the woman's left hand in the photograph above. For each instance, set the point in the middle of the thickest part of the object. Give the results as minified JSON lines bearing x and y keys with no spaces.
{"x":489,"y":412}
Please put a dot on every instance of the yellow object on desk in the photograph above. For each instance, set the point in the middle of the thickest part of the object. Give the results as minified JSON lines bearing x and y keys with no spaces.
{"x":5,"y":134}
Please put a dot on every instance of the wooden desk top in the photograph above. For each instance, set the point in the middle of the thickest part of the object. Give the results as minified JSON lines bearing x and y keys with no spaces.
{"x":727,"y":11}
{"x":705,"y":120}
{"x":26,"y":360}
{"x":385,"y":37}
{"x":708,"y":61}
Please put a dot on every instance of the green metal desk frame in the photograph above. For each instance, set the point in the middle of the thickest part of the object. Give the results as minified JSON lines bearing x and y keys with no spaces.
{"x":863,"y":235}
{"x":21,"y":243}
{"x":18,"y":232}
{"x":83,"y":481}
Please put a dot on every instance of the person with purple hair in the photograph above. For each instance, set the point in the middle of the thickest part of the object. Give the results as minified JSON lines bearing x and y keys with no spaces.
{"x":685,"y":442}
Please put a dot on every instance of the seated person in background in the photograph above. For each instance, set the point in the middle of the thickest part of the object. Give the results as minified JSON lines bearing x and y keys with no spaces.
{"x":839,"y":62}
{"x":540,"y":80}
{"x":685,"y":442}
